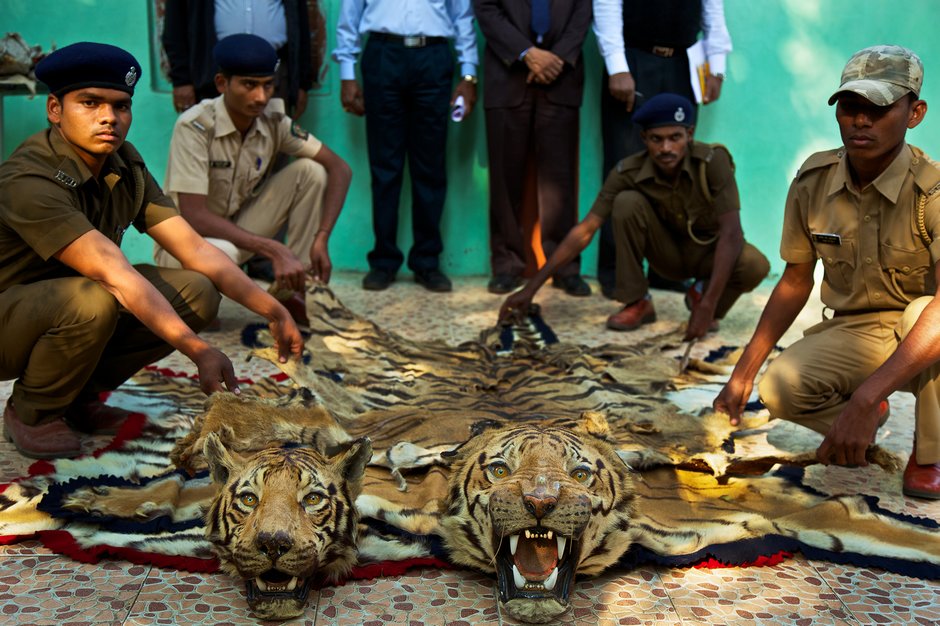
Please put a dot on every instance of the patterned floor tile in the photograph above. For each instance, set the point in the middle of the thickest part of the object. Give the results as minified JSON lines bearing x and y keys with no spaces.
{"x":877,"y":597}
{"x":56,"y":590}
{"x":427,"y":597}
{"x":789,"y":593}
{"x":172,"y":597}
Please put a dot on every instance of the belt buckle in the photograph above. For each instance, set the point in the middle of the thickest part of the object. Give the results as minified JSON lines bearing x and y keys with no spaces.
{"x":414,"y":41}
{"x":663,"y":51}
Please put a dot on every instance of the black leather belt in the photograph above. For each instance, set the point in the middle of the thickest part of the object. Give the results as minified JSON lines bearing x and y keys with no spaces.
{"x":408,"y":41}
{"x":660,"y":51}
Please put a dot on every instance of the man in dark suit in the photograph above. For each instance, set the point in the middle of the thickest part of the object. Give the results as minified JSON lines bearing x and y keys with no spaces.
{"x":533,"y":77}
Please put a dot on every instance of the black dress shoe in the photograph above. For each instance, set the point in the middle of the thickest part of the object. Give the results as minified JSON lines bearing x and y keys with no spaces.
{"x":573,"y":285}
{"x":433,"y":280}
{"x":504,"y":283}
{"x":378,"y":279}
{"x":261,"y":268}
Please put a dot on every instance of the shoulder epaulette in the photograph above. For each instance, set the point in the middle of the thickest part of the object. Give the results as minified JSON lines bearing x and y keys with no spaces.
{"x":926,"y":173}
{"x":819,"y":160}
{"x":632,"y":162}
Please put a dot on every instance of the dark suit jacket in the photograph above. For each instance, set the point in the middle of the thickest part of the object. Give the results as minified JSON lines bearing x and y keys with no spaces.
{"x":506,"y":27}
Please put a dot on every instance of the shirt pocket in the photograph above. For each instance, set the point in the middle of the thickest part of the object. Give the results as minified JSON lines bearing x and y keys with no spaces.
{"x":839,"y":264}
{"x":220,"y":190}
{"x":908,"y":270}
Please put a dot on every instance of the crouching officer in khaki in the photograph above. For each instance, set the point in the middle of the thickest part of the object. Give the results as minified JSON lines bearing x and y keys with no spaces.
{"x":675,"y":204}
{"x":220,"y":173}
{"x":78,"y":319}
{"x":871,"y":212}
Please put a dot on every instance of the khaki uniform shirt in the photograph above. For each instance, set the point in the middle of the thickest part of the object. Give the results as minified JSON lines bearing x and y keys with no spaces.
{"x":49,"y":198}
{"x":209,"y":157}
{"x":682,"y":206}
{"x":873,"y":254}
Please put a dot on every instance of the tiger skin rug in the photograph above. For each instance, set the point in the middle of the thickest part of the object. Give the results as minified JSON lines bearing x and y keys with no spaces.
{"x":455,"y":433}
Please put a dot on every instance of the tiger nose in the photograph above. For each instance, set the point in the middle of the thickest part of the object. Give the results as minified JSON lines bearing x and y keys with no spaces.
{"x":274,"y":545}
{"x":538,"y":504}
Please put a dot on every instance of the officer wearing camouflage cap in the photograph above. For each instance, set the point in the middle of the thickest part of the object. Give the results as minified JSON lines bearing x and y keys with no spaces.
{"x":675,"y":204}
{"x":870,"y":211}
{"x":78,"y":319}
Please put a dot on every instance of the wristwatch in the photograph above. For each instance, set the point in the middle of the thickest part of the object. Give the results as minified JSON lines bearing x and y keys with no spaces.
{"x":470,"y":78}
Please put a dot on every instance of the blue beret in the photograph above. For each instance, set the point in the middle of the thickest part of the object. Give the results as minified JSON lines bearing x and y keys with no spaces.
{"x":89,"y":64}
{"x":246,"y":55}
{"x":665,"y":109}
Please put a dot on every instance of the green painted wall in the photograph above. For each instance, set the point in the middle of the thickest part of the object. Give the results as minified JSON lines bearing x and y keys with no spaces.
{"x":772,"y":114}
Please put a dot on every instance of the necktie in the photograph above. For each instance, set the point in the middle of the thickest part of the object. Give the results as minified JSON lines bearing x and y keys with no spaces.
{"x":541,"y":18}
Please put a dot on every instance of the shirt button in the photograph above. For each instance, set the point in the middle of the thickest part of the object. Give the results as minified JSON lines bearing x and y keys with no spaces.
{"x":867,"y":218}
{"x":877,"y":296}
{"x":868,"y":260}
{"x":828,"y":259}
{"x":906,"y":269}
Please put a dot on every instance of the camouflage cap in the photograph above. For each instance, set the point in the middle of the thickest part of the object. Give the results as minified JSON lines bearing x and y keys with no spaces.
{"x":882,"y":74}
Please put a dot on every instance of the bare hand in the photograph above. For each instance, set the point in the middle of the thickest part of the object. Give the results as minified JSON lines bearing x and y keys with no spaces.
{"x":320,"y":265}
{"x":732,"y":398}
{"x":850,"y":435}
{"x":699,"y":321}
{"x":351,"y":97}
{"x":622,"y":87}
{"x":545,"y":66}
{"x":712,"y":89}
{"x":214,"y":370}
{"x":184,"y":97}
{"x":288,"y":339}
{"x":469,"y":92}
{"x":515,"y":306}
{"x":289,"y":272}
{"x":301,"y":104}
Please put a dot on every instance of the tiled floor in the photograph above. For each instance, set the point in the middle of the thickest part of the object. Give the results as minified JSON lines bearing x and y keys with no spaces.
{"x":37,"y":587}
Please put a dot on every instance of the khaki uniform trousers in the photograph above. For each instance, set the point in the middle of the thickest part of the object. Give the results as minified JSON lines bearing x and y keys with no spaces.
{"x":68,"y":338}
{"x":811,"y":381}
{"x":293,"y":196}
{"x":639,"y":234}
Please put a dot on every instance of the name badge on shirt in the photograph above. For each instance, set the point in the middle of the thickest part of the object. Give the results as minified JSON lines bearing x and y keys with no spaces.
{"x":830,"y":238}
{"x":220,"y":164}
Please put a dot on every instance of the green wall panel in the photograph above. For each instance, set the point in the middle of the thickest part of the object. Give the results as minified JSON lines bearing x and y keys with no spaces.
{"x":788,"y":55}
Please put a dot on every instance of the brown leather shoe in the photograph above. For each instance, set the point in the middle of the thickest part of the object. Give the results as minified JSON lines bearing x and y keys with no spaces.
{"x":633,"y":315}
{"x":297,"y":307}
{"x":921,"y":481}
{"x":52,"y":439}
{"x":96,"y":418}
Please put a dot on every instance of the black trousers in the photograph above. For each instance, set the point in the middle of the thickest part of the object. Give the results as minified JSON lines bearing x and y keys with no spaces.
{"x":407,"y":99}
{"x":653,"y":75}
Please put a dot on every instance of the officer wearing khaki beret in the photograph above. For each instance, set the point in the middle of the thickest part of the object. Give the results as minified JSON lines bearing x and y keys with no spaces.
{"x":78,"y":319}
{"x":220,"y":174}
{"x":675,"y":204}
{"x":870,"y":211}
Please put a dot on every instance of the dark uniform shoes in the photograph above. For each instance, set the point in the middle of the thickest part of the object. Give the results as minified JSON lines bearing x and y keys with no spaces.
{"x":52,"y":439}
{"x":504,"y":283}
{"x":573,"y":285}
{"x":378,"y":279}
{"x":433,"y":280}
{"x":633,"y":315}
{"x":96,"y":418}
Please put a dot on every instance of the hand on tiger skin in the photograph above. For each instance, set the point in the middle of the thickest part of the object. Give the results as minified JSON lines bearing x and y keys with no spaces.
{"x":850,"y":435}
{"x":732,"y":398}
{"x":515,"y":306}
{"x":215,"y":369}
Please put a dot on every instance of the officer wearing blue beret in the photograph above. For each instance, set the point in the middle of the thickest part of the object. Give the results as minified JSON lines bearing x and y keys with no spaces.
{"x":676,"y":205}
{"x":221,"y":174}
{"x":79,"y":319}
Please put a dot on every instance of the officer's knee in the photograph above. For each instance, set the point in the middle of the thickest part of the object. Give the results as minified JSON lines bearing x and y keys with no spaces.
{"x":755,"y":268}
{"x":201,"y":298}
{"x":629,"y":206}
{"x":308,"y":172}
{"x":777,"y":389}
{"x":911,"y":315}
{"x":90,"y":305}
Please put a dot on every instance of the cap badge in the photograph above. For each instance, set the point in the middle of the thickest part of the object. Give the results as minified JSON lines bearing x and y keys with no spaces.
{"x":679,"y":115}
{"x":131,"y":77}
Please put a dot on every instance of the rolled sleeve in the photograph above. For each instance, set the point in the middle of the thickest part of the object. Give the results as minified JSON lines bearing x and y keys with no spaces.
{"x":187,"y":169}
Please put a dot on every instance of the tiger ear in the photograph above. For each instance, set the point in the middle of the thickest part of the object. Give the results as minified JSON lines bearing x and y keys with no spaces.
{"x":594,"y":423}
{"x":221,"y":463}
{"x":352,"y":464}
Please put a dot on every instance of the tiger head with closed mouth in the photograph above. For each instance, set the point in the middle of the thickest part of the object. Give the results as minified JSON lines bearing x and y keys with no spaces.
{"x":284,"y":518}
{"x":539,"y":504}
